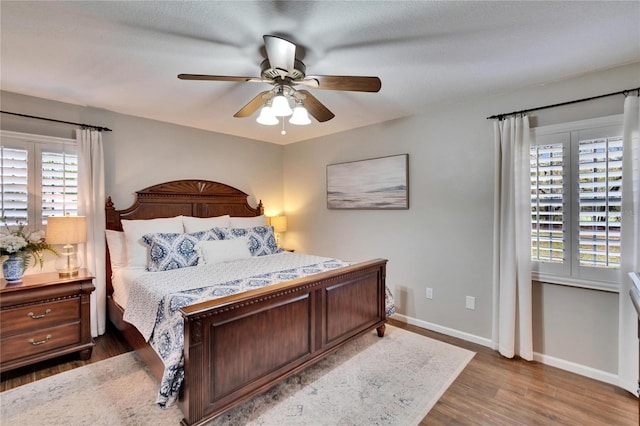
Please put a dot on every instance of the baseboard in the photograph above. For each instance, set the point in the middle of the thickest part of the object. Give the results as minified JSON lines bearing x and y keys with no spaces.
{"x":562,"y":364}
{"x":445,"y":330}
{"x":580,"y":369}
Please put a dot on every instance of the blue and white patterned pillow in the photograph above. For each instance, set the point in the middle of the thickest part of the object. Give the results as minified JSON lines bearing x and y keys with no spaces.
{"x":262,"y":240}
{"x":174,"y":251}
{"x":212,"y":234}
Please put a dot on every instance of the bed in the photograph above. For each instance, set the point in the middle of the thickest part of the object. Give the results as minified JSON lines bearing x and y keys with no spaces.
{"x":240,"y":345}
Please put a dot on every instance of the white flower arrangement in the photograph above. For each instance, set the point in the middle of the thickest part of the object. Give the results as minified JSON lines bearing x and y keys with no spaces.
{"x":25,"y":245}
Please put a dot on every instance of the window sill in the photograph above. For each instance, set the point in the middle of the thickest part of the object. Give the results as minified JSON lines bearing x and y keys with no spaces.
{"x":572,"y":282}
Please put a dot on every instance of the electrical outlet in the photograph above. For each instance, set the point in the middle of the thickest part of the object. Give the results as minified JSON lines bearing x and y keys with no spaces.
{"x":471,"y":302}
{"x":429,"y":293}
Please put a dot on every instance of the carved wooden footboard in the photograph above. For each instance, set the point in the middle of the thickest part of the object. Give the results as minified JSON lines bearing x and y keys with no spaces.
{"x":238,"y":346}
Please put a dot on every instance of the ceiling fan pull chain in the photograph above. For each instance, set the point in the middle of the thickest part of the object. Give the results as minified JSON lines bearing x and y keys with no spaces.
{"x":283,"y":131}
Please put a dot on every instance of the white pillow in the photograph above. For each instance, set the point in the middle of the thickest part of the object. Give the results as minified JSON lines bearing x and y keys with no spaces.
{"x":218,"y":251}
{"x":117,"y":248}
{"x":197,"y":224}
{"x":248,"y":222}
{"x":134,"y":230}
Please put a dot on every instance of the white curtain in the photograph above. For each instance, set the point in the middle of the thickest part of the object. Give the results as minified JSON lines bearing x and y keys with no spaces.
{"x":630,"y":246}
{"x":91,"y":199}
{"x":513,"y":331}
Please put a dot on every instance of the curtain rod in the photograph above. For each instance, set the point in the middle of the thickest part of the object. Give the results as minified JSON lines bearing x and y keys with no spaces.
{"x":524,"y":111}
{"x":86,"y":126}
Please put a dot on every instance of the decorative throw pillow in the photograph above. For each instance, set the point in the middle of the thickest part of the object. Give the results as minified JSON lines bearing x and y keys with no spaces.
{"x":210,"y":252}
{"x":262,"y":240}
{"x":213,"y":234}
{"x":170,"y":251}
{"x":177,"y":250}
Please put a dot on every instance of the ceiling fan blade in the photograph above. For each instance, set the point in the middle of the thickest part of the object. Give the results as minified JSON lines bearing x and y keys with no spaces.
{"x":281,"y":54}
{"x":343,"y":82}
{"x":215,"y":77}
{"x":253,"y":105}
{"x":315,"y":107}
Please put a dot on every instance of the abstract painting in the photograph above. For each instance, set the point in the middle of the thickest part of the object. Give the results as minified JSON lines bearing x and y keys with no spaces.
{"x":376,"y":183}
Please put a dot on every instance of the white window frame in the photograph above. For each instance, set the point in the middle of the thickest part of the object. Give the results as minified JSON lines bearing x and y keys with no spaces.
{"x":570,"y":272}
{"x":34,"y":145}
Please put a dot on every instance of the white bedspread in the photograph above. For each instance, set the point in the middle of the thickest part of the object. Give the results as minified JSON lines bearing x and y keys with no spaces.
{"x":148,"y":290}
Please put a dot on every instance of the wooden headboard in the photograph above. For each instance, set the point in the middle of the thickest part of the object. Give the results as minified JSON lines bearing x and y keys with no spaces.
{"x":189,"y":197}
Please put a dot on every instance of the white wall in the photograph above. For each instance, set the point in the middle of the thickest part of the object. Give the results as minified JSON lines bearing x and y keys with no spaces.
{"x":445,"y":239}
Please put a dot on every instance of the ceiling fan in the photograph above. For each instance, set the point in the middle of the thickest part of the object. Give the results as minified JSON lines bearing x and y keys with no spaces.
{"x":286,"y":73}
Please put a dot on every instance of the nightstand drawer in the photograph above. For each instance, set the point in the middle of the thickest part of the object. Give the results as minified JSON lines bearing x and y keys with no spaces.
{"x":43,"y":317}
{"x":35,"y":342}
{"x":38,"y":316}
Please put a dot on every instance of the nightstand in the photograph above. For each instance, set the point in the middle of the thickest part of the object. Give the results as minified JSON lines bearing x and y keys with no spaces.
{"x":43,"y":317}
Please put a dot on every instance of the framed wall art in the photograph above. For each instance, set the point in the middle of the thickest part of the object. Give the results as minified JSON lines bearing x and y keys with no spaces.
{"x":376,"y":183}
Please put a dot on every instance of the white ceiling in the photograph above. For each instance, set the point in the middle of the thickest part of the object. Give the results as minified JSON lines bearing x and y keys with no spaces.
{"x":124,"y":56}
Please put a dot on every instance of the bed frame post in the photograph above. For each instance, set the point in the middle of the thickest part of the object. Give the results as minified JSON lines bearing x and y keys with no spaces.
{"x":191,"y":396}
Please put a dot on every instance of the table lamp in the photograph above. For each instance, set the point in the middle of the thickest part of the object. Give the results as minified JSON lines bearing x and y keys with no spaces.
{"x":279,"y":224}
{"x":67,"y":230}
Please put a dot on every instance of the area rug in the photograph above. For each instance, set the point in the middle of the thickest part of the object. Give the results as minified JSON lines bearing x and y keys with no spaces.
{"x":395,"y":380}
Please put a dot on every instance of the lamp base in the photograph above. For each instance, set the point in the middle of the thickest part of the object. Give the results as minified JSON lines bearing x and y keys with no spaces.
{"x":68,"y":263}
{"x":68,"y":274}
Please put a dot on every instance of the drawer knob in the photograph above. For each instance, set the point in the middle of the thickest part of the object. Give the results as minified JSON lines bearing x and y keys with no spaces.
{"x":40,"y":342}
{"x":33,"y":316}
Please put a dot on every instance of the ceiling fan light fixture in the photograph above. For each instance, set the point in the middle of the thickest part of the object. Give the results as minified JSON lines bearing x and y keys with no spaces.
{"x":285,"y":73}
{"x":300,"y":116}
{"x":267,"y":117}
{"x":281,"y":106}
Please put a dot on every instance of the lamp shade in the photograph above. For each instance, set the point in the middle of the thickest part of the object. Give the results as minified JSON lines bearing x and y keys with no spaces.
{"x":267,"y":117}
{"x":66,"y":229}
{"x":300,"y":116}
{"x":279,"y":223}
{"x":281,"y":106}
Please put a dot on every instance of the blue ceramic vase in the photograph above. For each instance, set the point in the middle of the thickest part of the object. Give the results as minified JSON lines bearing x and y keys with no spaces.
{"x":13,"y":269}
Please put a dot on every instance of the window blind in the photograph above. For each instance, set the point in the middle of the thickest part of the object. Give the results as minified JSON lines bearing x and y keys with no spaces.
{"x":15,"y":184}
{"x":600,"y":201}
{"x":547,"y":203}
{"x":59,"y":184}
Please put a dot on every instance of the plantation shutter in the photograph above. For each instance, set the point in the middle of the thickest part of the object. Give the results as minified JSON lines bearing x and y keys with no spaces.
{"x":547,"y":203}
{"x":600,"y":201}
{"x":15,"y":185}
{"x":576,"y":203}
{"x":59,"y":184}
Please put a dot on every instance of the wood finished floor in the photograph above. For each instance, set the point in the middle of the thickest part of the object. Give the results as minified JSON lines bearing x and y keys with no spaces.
{"x":491,"y":390}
